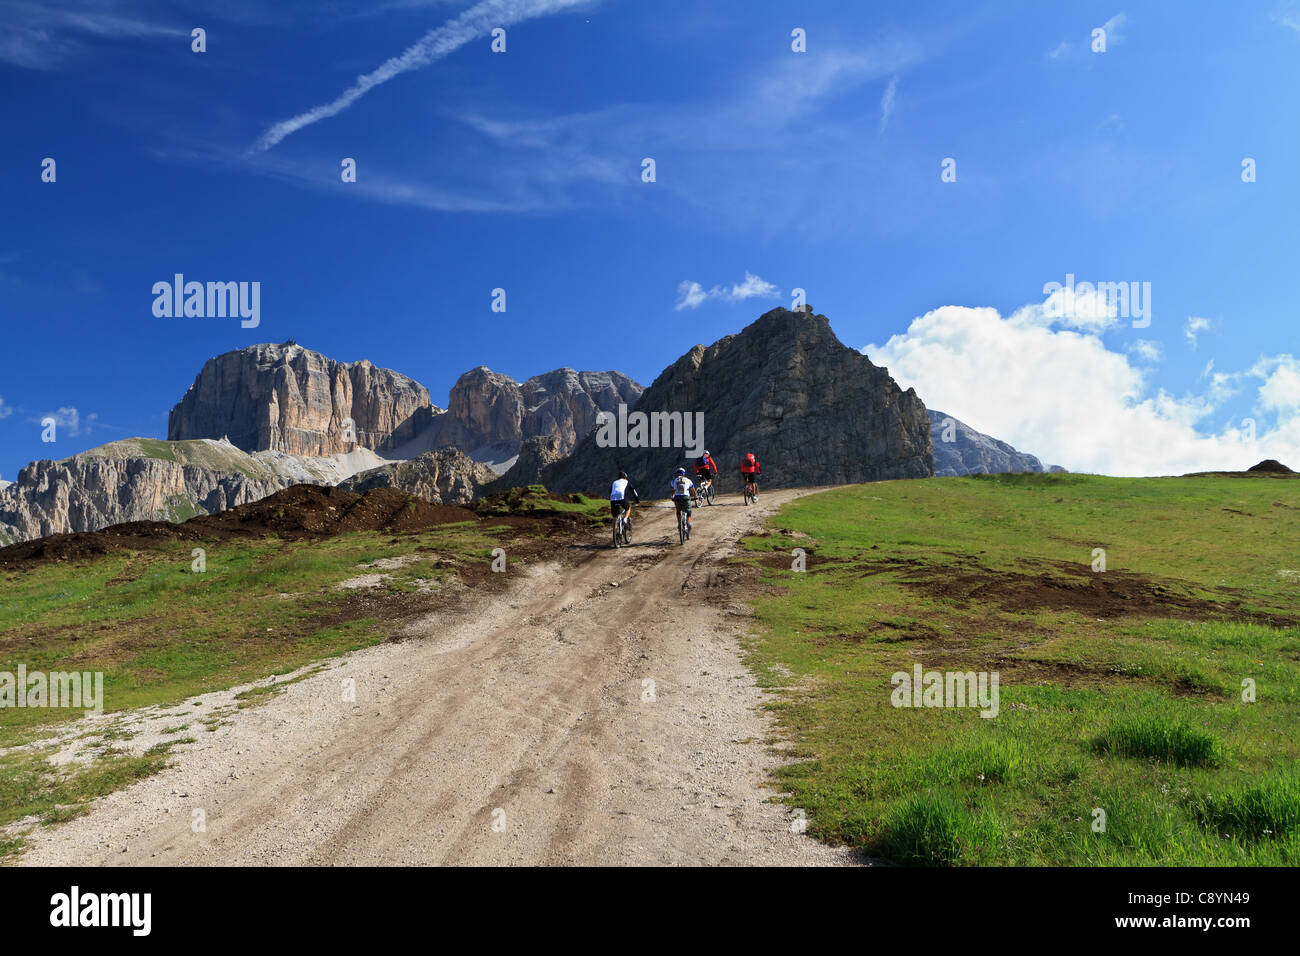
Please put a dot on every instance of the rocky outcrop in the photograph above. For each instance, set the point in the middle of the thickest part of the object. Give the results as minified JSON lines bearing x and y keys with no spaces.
{"x":142,"y":479}
{"x":447,"y":476}
{"x":564,"y":403}
{"x":489,"y":415}
{"x":961,"y":450}
{"x":812,"y":409}
{"x":291,"y":399}
{"x":535,"y":456}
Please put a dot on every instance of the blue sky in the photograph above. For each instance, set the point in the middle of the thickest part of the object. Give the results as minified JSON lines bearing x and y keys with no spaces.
{"x":774,"y":170}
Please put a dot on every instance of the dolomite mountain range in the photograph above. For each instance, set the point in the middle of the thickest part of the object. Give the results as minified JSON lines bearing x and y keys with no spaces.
{"x":265,"y":417}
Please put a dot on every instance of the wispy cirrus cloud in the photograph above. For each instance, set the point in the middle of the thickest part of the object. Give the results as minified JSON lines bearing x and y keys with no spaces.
{"x":691,"y":295}
{"x":476,"y":22}
{"x":887,"y":101}
{"x":41,"y":36}
{"x":1114,"y":34}
{"x":1288,"y":15}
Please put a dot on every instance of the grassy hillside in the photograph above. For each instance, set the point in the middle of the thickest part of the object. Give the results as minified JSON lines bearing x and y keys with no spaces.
{"x":200,"y":453}
{"x":1120,"y":691}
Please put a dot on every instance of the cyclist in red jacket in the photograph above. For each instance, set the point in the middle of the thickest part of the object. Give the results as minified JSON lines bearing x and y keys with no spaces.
{"x":749,"y":472}
{"x":706,"y":469}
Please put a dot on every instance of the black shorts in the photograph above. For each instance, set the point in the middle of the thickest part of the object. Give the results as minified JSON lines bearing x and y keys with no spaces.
{"x":618,"y":507}
{"x":749,"y":476}
{"x":703,"y":476}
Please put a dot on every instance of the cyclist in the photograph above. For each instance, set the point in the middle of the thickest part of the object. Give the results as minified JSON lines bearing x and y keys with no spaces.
{"x":683,"y":492}
{"x":749,"y":472}
{"x":621,"y":498}
{"x":706,"y":469}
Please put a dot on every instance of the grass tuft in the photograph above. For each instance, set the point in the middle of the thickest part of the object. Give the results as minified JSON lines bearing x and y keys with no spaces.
{"x":1159,"y":737}
{"x":1265,"y":810}
{"x":936,"y":830}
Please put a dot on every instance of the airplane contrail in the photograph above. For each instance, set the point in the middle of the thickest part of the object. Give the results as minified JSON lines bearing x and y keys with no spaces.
{"x":478,"y":21}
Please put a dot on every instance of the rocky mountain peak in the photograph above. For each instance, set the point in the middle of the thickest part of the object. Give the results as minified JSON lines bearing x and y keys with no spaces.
{"x":289,"y":398}
{"x":812,"y":409}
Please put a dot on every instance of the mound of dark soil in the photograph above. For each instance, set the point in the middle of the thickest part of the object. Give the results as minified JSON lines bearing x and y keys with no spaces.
{"x":310,"y":511}
{"x":1273,"y":466}
{"x":301,"y":511}
{"x":134,"y":535}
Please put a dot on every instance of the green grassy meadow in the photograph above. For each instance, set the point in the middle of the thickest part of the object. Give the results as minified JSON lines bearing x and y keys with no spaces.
{"x":1121,"y":691}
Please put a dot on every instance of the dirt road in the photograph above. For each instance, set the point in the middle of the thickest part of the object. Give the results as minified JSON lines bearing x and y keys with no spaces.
{"x":564,"y":721}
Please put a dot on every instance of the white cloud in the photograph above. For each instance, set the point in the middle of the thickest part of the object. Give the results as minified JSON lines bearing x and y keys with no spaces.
{"x":475,"y":23}
{"x":5,"y":410}
{"x":69,"y":423}
{"x":1061,"y":394}
{"x":1281,"y":389}
{"x":1147,"y":350}
{"x":753,"y":288}
{"x":887,"y":101}
{"x":1061,"y":50}
{"x":1192,"y":326}
{"x":691,"y":295}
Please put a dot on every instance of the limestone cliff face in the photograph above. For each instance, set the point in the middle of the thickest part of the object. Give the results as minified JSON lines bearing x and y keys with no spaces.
{"x":484,"y":408}
{"x":291,"y":399}
{"x":489,"y":415}
{"x":564,"y":403}
{"x":447,"y":476}
{"x":812,"y":409}
{"x":143,"y":479}
{"x":961,"y":450}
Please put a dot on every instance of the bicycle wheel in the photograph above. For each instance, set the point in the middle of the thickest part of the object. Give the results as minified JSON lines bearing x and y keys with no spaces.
{"x":618,"y":522}
{"x":627,"y":531}
{"x":681,"y":527}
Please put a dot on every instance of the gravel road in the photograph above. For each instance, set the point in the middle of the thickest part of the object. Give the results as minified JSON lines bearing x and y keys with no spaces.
{"x":521,"y":729}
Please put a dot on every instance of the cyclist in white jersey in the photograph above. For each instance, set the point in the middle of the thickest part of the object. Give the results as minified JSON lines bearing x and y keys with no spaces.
{"x":683,"y":492}
{"x":621,"y":497}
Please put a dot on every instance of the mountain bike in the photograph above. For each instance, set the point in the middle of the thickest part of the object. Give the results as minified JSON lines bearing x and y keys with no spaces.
{"x":706,"y":491}
{"x":683,"y":526}
{"x":751,"y":491}
{"x":622,"y":530}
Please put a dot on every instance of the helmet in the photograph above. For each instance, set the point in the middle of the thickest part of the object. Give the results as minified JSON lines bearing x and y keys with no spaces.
{"x":681,"y":471}
{"x":706,"y":453}
{"x":622,"y":474}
